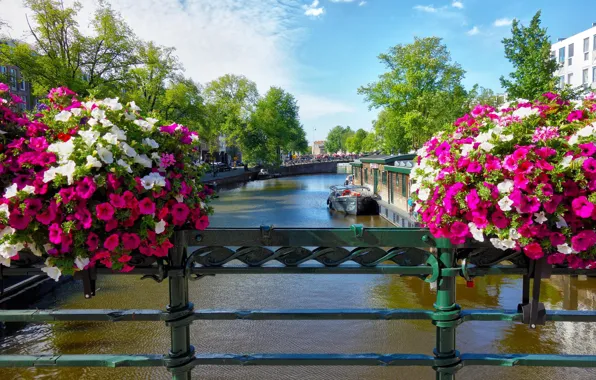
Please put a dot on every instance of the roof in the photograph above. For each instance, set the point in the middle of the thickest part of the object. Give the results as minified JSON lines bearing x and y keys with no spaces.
{"x":319,"y":142}
{"x":387,"y":159}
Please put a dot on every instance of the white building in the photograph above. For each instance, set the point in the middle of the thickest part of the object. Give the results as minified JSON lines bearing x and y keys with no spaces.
{"x":577,"y":58}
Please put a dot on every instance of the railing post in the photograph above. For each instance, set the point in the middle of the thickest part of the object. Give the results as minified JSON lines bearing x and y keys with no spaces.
{"x":446,"y":316}
{"x":180,"y":312}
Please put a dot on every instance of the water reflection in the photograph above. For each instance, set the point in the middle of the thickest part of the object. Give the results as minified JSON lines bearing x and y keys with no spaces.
{"x":300,"y":202}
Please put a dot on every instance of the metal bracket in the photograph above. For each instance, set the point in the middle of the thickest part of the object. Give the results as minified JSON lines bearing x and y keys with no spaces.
{"x":534,"y":312}
{"x":161,"y":273}
{"x":266,"y":233}
{"x":434,"y":264}
{"x":358,"y":230}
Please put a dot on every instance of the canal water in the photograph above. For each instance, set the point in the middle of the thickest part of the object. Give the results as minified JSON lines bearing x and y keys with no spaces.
{"x":301,"y":202}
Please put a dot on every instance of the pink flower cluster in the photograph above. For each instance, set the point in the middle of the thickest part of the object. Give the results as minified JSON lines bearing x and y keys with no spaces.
{"x":65,"y":200}
{"x":488,"y":178}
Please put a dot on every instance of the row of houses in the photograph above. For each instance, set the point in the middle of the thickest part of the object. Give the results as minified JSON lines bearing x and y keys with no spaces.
{"x":389,"y":178}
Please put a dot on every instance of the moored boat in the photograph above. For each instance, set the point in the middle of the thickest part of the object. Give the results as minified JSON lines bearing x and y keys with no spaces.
{"x":353,"y":200}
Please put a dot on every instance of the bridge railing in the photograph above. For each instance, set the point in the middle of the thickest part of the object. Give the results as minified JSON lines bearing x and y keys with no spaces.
{"x":355,"y":250}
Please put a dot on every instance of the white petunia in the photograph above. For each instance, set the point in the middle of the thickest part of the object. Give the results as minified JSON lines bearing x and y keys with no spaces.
{"x":10,"y":191}
{"x":573,"y":140}
{"x":98,"y":113}
{"x":113,"y":104}
{"x":67,"y":170}
{"x":81,"y":262}
{"x":4,"y":209}
{"x":132,"y":105}
{"x":49,"y":175}
{"x":179,"y":198}
{"x":93,"y":162}
{"x":506,"y":186}
{"x":63,"y":116}
{"x":483,"y":137}
{"x":89,"y":137}
{"x":152,"y":180}
{"x":106,"y":122}
{"x":486,"y":146}
{"x":62,"y":149}
{"x":414,"y":186}
{"x":129,"y":116}
{"x":150,"y":142}
{"x":76,"y":111}
{"x":160,"y":227}
{"x":561,"y":223}
{"x":513,"y":234}
{"x":143,"y":124}
{"x":524,"y":112}
{"x":506,"y":137}
{"x":151,"y":121}
{"x":105,"y":155}
{"x":143,"y":160}
{"x":566,"y":161}
{"x":88,"y":105}
{"x":128,"y":150}
{"x":120,"y":134}
{"x":466,"y":149}
{"x":28,"y":189}
{"x":586,"y":131}
{"x":477,"y":233}
{"x":540,"y":218}
{"x":423,"y":194}
{"x":110,"y":138}
{"x":505,"y":204}
{"x":155,"y":156}
{"x":52,"y":272}
{"x":92,"y":122}
{"x":125,"y":165}
{"x":35,"y":250}
{"x":9,"y":250}
{"x":565,"y":248}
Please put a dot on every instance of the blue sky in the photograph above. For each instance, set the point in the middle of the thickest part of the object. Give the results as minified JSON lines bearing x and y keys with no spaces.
{"x":323,"y":50}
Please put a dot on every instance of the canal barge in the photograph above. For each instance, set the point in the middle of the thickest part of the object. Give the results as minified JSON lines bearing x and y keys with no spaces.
{"x":353,"y":200}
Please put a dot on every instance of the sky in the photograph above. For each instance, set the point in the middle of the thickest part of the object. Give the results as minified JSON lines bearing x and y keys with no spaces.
{"x":323,"y":50}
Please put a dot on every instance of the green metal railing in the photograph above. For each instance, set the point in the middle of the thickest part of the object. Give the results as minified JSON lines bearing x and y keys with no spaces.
{"x":405,"y":252}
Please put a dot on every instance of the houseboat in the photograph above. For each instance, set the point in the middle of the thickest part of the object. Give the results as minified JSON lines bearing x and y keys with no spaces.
{"x":353,"y":200}
{"x":389,"y":178}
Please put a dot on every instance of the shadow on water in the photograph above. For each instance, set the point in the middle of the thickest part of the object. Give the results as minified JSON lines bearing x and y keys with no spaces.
{"x":301,"y":202}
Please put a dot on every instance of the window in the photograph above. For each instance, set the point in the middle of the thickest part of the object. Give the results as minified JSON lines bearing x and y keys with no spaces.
{"x":562,"y":81}
{"x":404,"y":185}
{"x":2,"y":69}
{"x":594,"y":42}
{"x":397,"y":179}
{"x":586,"y":48}
{"x":594,"y":74}
{"x":22,"y":84}
{"x":13,"y":79}
{"x":562,"y":55}
{"x":366,"y":175}
{"x":585,"y":76}
{"x":569,"y":78}
{"x":384,"y":177}
{"x":570,"y":50}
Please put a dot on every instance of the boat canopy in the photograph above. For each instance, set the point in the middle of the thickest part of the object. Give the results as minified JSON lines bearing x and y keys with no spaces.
{"x":349,"y":187}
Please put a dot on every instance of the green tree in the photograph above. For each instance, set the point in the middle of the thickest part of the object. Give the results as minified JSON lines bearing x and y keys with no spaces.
{"x":274,"y":128}
{"x":421,"y":91}
{"x":355,"y":142}
{"x":337,"y":139}
{"x":371,"y":143}
{"x":62,"y":56}
{"x":231,"y":100}
{"x":485,"y":96}
{"x":528,"y":50}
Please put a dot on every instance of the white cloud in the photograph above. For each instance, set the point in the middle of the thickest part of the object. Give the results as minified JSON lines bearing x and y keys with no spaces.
{"x":362,"y":3}
{"x":427,"y":8}
{"x":457,"y":4}
{"x":503,"y":22}
{"x":255,"y":38}
{"x":474,"y":31}
{"x":314,"y":106}
{"x":342,"y":1}
{"x":313,"y":10}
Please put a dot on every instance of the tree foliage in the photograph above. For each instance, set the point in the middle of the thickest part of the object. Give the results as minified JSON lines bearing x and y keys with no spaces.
{"x":355,"y":142}
{"x":528,"y":50}
{"x":421,"y":91}
{"x":337,"y":139}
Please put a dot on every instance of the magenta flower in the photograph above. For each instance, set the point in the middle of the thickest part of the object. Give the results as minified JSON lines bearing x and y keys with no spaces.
{"x":147,"y":206}
{"x":112,"y":242}
{"x":167,"y":160}
{"x":583,"y":240}
{"x":33,"y":206}
{"x":130,"y":241}
{"x":85,"y":188}
{"x":499,"y":219}
{"x":459,"y":229}
{"x":533,"y":251}
{"x":84,"y":216}
{"x":588,"y":149}
{"x":92,"y":241}
{"x":117,"y":201}
{"x":104,"y":211}
{"x":202,"y":223}
{"x":556,"y":259}
{"x":180,"y":213}
{"x":67,"y":194}
{"x":474,"y":167}
{"x":38,"y":144}
{"x":589,"y":166}
{"x":557,"y":238}
{"x":169,"y":129}
{"x":575,"y":115}
{"x":19,"y":221}
{"x":56,"y":233}
{"x":47,"y":214}
{"x":111,"y":224}
{"x":4,"y":87}
{"x":582,"y":207}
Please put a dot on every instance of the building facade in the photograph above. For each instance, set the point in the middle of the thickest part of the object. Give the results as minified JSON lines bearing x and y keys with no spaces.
{"x":576,"y":56}
{"x":18,"y":86}
{"x":389,"y":178}
{"x":318,"y":147}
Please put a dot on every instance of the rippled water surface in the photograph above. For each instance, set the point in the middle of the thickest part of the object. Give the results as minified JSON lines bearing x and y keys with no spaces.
{"x":301,"y":202}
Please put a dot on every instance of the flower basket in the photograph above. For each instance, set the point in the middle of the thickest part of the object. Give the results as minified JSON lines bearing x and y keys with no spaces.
{"x":90,"y":183}
{"x":521,"y":179}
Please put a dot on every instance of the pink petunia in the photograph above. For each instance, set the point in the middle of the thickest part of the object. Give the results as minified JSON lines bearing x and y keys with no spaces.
{"x":533,"y":251}
{"x":582,"y":207}
{"x":85,"y":188}
{"x":104,"y":211}
{"x":56,"y":233}
{"x":130,"y":241}
{"x":112,"y":242}
{"x":147,"y":206}
{"x":583,"y":240}
{"x":117,"y":200}
{"x":92,"y":241}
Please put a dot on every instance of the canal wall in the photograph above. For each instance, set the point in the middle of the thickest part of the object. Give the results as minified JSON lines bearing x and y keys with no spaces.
{"x":314,"y":168}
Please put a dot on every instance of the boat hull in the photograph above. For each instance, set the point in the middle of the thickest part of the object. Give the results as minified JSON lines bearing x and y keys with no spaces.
{"x":354,"y":205}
